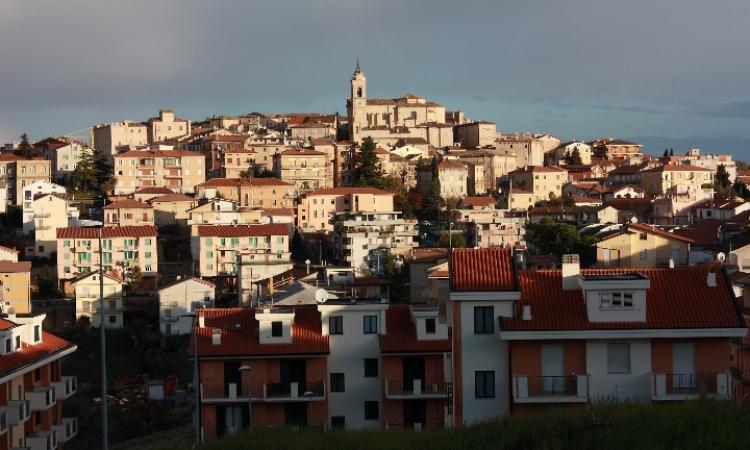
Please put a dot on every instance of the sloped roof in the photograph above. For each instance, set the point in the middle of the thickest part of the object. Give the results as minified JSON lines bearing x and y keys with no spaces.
{"x":157,"y":154}
{"x":107,"y":232}
{"x":268,"y":229}
{"x":267,"y":181}
{"x":652,"y":229}
{"x":486,"y":269}
{"x":28,"y":354}
{"x":172,"y":198}
{"x":128,"y":203}
{"x":401,"y":334}
{"x":348,"y":191}
{"x":154,"y":190}
{"x":15,"y":267}
{"x":678,"y":298}
{"x":176,"y":282}
{"x":479,"y":201}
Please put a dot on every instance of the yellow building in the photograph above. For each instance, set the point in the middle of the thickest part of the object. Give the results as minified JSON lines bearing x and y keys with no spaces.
{"x":545,"y":183}
{"x":237,"y":161}
{"x":167,"y":126}
{"x":29,"y":171}
{"x":172,"y":209}
{"x":663,"y":179}
{"x":128,"y":212}
{"x":640,"y":245}
{"x":87,"y":291}
{"x":304,"y":168}
{"x":316,"y":209}
{"x":15,"y":286}
{"x":178,"y":170}
{"x":249,"y":192}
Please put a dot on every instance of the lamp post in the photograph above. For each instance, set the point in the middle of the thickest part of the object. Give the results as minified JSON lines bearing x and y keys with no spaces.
{"x":196,"y":384}
{"x":246,"y":368}
{"x":450,"y":235}
{"x":102,"y":327}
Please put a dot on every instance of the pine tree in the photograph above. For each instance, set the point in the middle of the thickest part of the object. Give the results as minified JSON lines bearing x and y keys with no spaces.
{"x":84,"y":177}
{"x":433,"y":202}
{"x":574,"y":158}
{"x":25,"y":149}
{"x":368,"y":171}
{"x":666,"y":153}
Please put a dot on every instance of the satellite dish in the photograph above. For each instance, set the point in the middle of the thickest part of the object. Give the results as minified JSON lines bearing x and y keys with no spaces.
{"x":321,"y":295}
{"x":721,"y":257}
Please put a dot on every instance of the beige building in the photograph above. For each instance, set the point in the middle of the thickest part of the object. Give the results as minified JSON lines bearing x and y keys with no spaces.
{"x":249,"y":192}
{"x":476,"y":134}
{"x":64,"y":154}
{"x":29,"y":171}
{"x":219,"y":211}
{"x":663,"y":179}
{"x":544,"y":182}
{"x":495,"y":164}
{"x":530,"y":149}
{"x":221,"y":249}
{"x":307,"y":131}
{"x":172,"y":209}
{"x":558,"y":155}
{"x":264,"y":153}
{"x":237,"y":161}
{"x":499,"y":230}
{"x":453,"y":178}
{"x":178,"y":170}
{"x":179,"y":301}
{"x":519,"y":200}
{"x":15,"y":286}
{"x":616,"y":149}
{"x":128,"y":213}
{"x":122,"y":249}
{"x":109,"y":137}
{"x":8,"y":254}
{"x":304,"y":168}
{"x":316,"y":209}
{"x":166,"y":126}
{"x":146,"y":194}
{"x":50,"y":213}
{"x":88,"y":304}
{"x":640,"y":245}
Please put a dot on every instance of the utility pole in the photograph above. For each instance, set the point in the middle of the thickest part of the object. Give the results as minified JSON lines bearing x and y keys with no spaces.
{"x":102,"y":329}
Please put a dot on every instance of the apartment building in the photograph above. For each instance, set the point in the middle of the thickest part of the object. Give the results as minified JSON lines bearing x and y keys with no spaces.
{"x":223,"y":249}
{"x":8,"y":254}
{"x":30,"y":193}
{"x":740,"y":349}
{"x":108,"y":138}
{"x":663,"y":179}
{"x":218,"y":211}
{"x":475,"y":134}
{"x":498,"y":229}
{"x":641,"y":245}
{"x":255,"y":192}
{"x":15,"y":286}
{"x":615,"y":149}
{"x":125,"y":213}
{"x":29,"y":171}
{"x":178,"y":170}
{"x":528,"y":148}
{"x":237,"y":161}
{"x":495,"y":165}
{"x":88,"y":306}
{"x":166,"y":126}
{"x":453,"y":177}
{"x":709,"y":161}
{"x":363,"y":240}
{"x":180,"y":301}
{"x":172,"y":209}
{"x":559,"y":155}
{"x":316,"y":209}
{"x":64,"y":153}
{"x":31,"y":409}
{"x":49,"y":212}
{"x":545,"y":183}
{"x":122,"y":249}
{"x":264,"y":154}
{"x":304,"y":168}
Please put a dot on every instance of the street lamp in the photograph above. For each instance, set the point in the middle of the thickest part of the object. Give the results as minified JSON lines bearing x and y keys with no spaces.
{"x":246,"y":368}
{"x":102,"y":326}
{"x":196,"y":384}
{"x":450,"y":235}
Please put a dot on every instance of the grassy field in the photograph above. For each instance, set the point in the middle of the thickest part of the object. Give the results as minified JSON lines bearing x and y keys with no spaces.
{"x":694,"y":425}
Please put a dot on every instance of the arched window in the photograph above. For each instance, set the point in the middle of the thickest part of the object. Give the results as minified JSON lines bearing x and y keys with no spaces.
{"x":359,"y":92}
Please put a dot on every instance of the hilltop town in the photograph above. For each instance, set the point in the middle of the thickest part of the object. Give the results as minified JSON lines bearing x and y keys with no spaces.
{"x":399,"y":266}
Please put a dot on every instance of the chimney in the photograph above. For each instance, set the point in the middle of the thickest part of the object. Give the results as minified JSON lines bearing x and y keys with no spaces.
{"x":201,"y":320}
{"x":571,"y":268}
{"x":526,"y":311}
{"x":711,"y":279}
{"x":671,"y":263}
{"x":216,"y":336}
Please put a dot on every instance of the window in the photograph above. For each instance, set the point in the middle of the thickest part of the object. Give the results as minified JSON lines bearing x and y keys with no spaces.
{"x":616,"y":300}
{"x":618,"y":357}
{"x":37,"y":418}
{"x":370,"y":324}
{"x":112,"y":319}
{"x":371,"y":367}
{"x":643,"y":236}
{"x":336,"y":325}
{"x":37,"y":374}
{"x":337,"y":382}
{"x":484,"y":384}
{"x":37,"y":333}
{"x":7,"y":346}
{"x":644,"y":254}
{"x":338,"y":422}
{"x":372,"y":410}
{"x":483,"y":323}
{"x":429,"y":325}
{"x":18,"y":342}
{"x":276,"y":329}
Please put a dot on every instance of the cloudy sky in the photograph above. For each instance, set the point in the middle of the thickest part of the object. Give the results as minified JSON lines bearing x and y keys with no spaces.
{"x":665,"y":72}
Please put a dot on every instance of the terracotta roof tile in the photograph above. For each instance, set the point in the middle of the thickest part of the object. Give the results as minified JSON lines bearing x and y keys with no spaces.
{"x":479,"y":201}
{"x":172,"y":198}
{"x":154,"y":190}
{"x":268,"y":229}
{"x":157,"y":154}
{"x":653,"y":229}
{"x":107,"y":232}
{"x":401,"y":334}
{"x":349,"y":191}
{"x":487,"y":269}
{"x":268,"y":181}
{"x":128,"y":203}
{"x":15,"y":267}
{"x":29,"y":354}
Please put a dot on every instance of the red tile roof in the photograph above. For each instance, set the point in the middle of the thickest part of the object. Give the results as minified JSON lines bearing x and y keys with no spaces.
{"x":479,"y":201}
{"x":653,"y":229}
{"x":401,"y":334}
{"x":172,"y":198}
{"x":268,"y":181}
{"x":8,"y":249}
{"x":677,"y":298}
{"x":677,"y":168}
{"x":349,"y":191}
{"x":426,"y":255}
{"x":307,"y":337}
{"x":15,"y":267}
{"x":486,"y":269}
{"x":108,"y":232}
{"x":534,"y":169}
{"x":268,"y":229}
{"x":450,"y":165}
{"x":9,"y":157}
{"x":29,"y":354}
{"x":278,"y":211}
{"x":302,"y":152}
{"x":157,"y":154}
{"x":703,"y":233}
{"x":154,"y":190}
{"x":128,"y":203}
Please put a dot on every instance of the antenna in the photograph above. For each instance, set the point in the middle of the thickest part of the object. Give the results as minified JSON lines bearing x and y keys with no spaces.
{"x":321,"y":295}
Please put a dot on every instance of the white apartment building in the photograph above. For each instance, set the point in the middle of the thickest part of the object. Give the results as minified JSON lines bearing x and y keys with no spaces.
{"x":87,"y":290}
{"x":180,"y":301}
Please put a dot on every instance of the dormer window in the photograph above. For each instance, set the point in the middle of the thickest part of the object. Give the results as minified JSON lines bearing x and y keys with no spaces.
{"x":430,"y":326}
{"x":616,"y":300}
{"x":18,"y":342}
{"x":276,"y":329}
{"x":37,"y":333}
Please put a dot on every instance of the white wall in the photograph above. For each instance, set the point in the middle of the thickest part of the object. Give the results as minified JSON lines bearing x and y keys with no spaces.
{"x":184,"y":294}
{"x":621,"y":386}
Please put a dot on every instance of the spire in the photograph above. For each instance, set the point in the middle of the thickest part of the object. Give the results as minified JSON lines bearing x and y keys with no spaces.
{"x":357,"y":69}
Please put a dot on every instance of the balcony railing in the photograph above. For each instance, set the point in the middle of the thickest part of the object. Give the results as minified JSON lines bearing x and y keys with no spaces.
{"x":416,"y":426}
{"x":687,"y":386}
{"x":416,"y":389}
{"x":41,"y":440}
{"x":550,"y":389}
{"x":41,"y":398}
{"x":222,"y":392}
{"x":293,"y":391}
{"x":66,"y":387}
{"x":17,"y":411}
{"x":67,"y":430}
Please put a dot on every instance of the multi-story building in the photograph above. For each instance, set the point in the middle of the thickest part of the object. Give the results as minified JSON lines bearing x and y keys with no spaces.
{"x":453,"y":178}
{"x":49,"y":212}
{"x":495,"y":229}
{"x":109,"y":138}
{"x":172,"y":209}
{"x":34,"y":388}
{"x":475,"y":134}
{"x":218,"y":211}
{"x":64,"y":153}
{"x":122,"y":249}
{"x":316,"y":209}
{"x":641,"y":245}
{"x":146,"y":194}
{"x":222,"y":249}
{"x":8,"y":254}
{"x":663,"y":179}
{"x":15,"y":286}
{"x":30,"y":171}
{"x":709,"y":161}
{"x":529,"y":149}
{"x":180,"y":301}
{"x":178,"y":170}
{"x":615,"y":149}
{"x":32,"y":192}
{"x":166,"y":126}
{"x":544,"y":182}
{"x":303,"y":167}
{"x":264,"y":154}
{"x":496,"y":164}
{"x":237,"y":161}
{"x":88,"y":306}
{"x":363,"y":240}
{"x":559,"y":155}
{"x":249,"y":192}
{"x":128,"y":212}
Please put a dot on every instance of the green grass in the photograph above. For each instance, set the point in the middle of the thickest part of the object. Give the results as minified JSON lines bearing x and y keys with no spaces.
{"x":694,"y":425}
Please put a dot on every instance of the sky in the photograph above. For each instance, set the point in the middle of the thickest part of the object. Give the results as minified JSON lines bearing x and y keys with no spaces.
{"x":666,"y":73}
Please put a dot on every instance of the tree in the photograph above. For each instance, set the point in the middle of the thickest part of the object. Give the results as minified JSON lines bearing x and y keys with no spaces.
{"x":573,"y":158}
{"x":25,"y":149}
{"x":262,"y":173}
{"x":247,"y":173}
{"x":368,"y":171}
{"x":556,"y":238}
{"x":453,"y":239}
{"x":722,"y":182}
{"x":84,"y":177}
{"x":433,"y":202}
{"x":136,"y":277}
{"x":666,"y":153}
{"x":740,"y":189}
{"x":671,"y":152}
{"x":394,"y":184}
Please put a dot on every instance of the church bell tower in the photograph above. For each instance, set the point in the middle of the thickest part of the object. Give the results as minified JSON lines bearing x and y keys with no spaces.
{"x":357,"y":104}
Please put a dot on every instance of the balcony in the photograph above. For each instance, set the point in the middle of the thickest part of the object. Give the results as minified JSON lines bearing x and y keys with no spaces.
{"x":3,"y":420}
{"x":214,"y":392}
{"x":689,"y":386}
{"x":432,"y":389}
{"x":17,"y":412}
{"x":41,"y":440}
{"x":67,"y":430}
{"x":41,"y":398}
{"x":294,"y":392}
{"x":551,"y":389}
{"x":66,"y":387}
{"x":43,"y":215}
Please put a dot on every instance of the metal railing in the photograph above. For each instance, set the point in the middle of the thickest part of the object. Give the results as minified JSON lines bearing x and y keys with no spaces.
{"x":541,"y":386}
{"x":691,"y":383}
{"x":417,"y":387}
{"x":286,"y":389}
{"x":221,"y":390}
